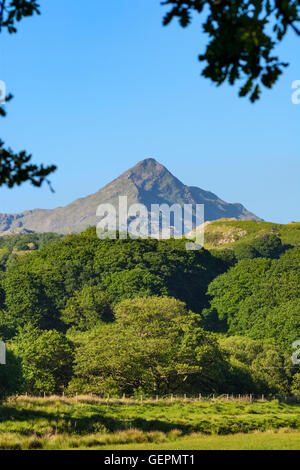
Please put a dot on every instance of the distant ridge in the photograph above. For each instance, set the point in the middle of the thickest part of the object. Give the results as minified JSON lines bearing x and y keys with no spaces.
{"x":146,"y":183}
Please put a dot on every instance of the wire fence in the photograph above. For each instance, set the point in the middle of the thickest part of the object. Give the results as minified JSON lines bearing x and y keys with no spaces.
{"x":168,"y":399}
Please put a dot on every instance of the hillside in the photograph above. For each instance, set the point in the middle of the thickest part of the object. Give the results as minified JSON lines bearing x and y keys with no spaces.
{"x":226,"y":233}
{"x":147,"y":183}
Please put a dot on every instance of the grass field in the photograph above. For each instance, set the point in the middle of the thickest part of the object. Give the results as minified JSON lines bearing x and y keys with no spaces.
{"x":85,"y":422}
{"x":269,"y":440}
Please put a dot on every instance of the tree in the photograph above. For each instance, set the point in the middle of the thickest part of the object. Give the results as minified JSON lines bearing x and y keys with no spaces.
{"x":268,"y":246}
{"x":13,"y":11}
{"x":34,"y":293}
{"x":296,"y":385}
{"x":257,"y":366}
{"x":88,"y":307}
{"x":16,"y":168}
{"x":245,"y":251}
{"x":37,"y":286}
{"x":259,"y":298}
{"x":11,"y":377}
{"x":265,"y":246}
{"x":155,"y":345}
{"x":243,"y":36}
{"x":46,"y":358}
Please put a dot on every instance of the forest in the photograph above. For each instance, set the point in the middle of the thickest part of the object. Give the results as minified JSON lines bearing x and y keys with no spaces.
{"x":84,"y":315}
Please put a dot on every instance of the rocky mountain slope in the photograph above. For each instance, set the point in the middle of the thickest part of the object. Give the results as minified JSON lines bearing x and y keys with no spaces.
{"x":147,"y":183}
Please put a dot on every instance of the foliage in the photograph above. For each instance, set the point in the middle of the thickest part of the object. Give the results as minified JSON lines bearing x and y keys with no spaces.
{"x":87,"y":307}
{"x":260,"y":298}
{"x":227,"y":256}
{"x":127,"y":304}
{"x":11,"y":246}
{"x":296,"y":385}
{"x":245,"y":251}
{"x":16,"y":168}
{"x":13,"y":11}
{"x":265,"y":246}
{"x":46,"y":358}
{"x":155,"y":345}
{"x":258,"y":365}
{"x":229,"y":234}
{"x":28,"y":241}
{"x":243,"y":37}
{"x":268,"y":246}
{"x":11,"y":378}
{"x":38,"y":287}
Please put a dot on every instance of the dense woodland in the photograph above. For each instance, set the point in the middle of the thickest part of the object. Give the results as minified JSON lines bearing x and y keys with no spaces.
{"x":82,"y":315}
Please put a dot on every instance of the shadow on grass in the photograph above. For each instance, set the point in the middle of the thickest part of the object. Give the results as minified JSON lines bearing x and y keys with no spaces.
{"x":64,"y":422}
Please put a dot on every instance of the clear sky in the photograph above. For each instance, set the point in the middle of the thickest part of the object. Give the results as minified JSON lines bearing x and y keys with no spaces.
{"x":101,"y":85}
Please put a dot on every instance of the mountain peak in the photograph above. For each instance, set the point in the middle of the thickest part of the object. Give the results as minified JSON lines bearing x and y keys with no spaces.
{"x":148,"y":164}
{"x":147,"y":183}
{"x":147,"y":161}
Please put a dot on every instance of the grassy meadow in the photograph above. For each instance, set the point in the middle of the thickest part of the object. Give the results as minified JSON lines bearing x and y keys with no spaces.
{"x":92,"y":423}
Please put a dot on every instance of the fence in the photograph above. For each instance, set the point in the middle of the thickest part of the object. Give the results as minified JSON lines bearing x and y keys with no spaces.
{"x":169,"y":399}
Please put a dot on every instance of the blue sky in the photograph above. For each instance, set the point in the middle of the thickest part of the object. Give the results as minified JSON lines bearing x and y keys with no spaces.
{"x":102,"y":86}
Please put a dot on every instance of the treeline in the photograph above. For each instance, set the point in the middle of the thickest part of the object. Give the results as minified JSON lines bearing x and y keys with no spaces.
{"x":12,"y":245}
{"x":129,"y":316}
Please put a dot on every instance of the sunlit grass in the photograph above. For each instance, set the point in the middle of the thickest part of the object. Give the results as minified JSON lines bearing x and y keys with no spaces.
{"x":269,"y":440}
{"x":91,"y":422}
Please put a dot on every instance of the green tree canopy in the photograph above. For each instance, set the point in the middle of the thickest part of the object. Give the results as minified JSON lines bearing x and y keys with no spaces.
{"x":257,"y":366}
{"x":88,"y":307}
{"x":260,"y":298}
{"x":46,"y":358}
{"x":37,"y":286}
{"x":155,"y":345}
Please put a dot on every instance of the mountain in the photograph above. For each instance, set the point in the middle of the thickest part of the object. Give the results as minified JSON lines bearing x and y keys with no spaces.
{"x":147,"y":183}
